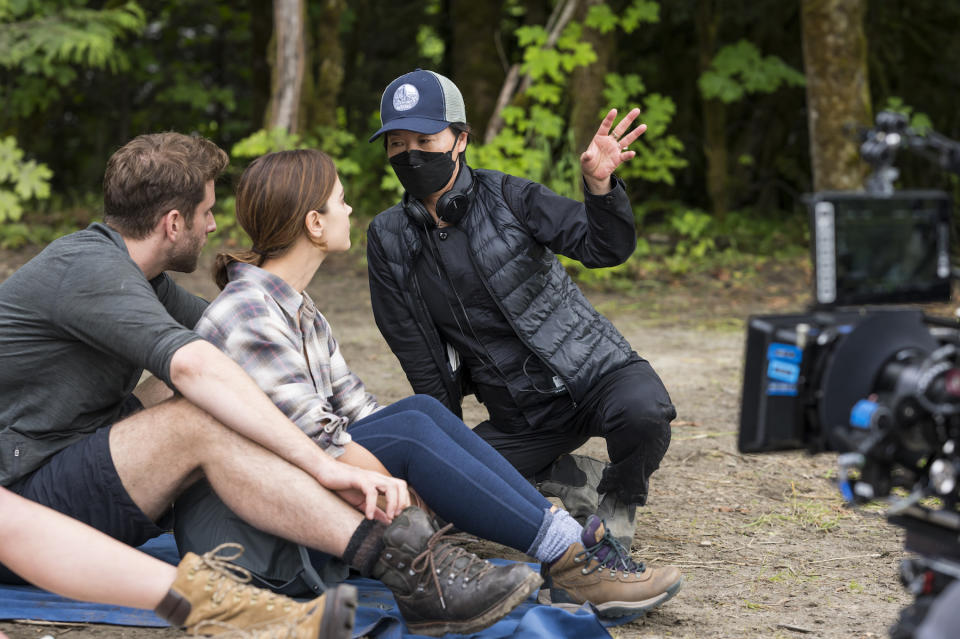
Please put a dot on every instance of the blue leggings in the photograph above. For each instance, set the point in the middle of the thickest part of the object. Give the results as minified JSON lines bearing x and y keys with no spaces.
{"x":459,"y":475}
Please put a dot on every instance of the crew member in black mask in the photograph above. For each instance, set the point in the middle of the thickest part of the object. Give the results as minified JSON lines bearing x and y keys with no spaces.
{"x":469,"y":295}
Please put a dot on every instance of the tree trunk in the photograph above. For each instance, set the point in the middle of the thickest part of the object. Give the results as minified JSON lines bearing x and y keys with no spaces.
{"x":838,"y":93}
{"x":261,"y":28}
{"x":321,"y":86}
{"x":714,"y":113}
{"x":476,"y":66}
{"x":587,"y":83}
{"x":287,"y":63}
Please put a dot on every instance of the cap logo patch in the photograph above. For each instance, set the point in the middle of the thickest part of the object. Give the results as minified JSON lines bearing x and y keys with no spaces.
{"x":405,"y":97}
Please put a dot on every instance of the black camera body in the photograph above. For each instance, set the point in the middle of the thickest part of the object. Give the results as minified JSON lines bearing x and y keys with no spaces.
{"x":865,"y":376}
{"x":879,"y":380}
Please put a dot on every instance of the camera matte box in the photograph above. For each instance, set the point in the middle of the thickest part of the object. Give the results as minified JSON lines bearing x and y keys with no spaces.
{"x":880,"y":249}
{"x":771,"y":416}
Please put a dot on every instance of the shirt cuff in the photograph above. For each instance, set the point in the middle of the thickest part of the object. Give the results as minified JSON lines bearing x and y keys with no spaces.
{"x":612,"y":199}
{"x":617,"y":184}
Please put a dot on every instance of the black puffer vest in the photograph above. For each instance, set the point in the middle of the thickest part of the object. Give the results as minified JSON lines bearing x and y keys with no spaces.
{"x":544,"y":306}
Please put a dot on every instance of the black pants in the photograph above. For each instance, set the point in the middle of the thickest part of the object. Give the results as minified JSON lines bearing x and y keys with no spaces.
{"x":629,"y":408}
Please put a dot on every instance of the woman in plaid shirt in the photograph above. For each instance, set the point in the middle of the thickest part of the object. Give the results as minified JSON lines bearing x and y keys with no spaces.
{"x":292,"y":206}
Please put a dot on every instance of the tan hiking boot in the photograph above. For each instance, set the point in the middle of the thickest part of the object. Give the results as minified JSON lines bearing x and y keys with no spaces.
{"x":211,"y":596}
{"x":441,"y":588}
{"x":599,"y":570}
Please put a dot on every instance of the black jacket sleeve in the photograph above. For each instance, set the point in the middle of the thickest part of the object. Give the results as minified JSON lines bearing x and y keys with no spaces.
{"x":599,"y":231}
{"x":424,"y":367}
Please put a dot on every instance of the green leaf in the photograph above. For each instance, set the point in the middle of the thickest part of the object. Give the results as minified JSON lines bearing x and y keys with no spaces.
{"x":602,"y":18}
{"x":546,"y":122}
{"x":740,"y":68}
{"x":621,"y":90}
{"x":638,"y":12}
{"x":533,"y":35}
{"x":657,"y":113}
{"x":264,"y":141}
{"x":512,"y":115}
{"x":545,"y":93}
{"x":33,"y":181}
{"x":10,"y":208}
{"x":714,"y":85}
{"x":10,"y":158}
{"x":539,"y":62}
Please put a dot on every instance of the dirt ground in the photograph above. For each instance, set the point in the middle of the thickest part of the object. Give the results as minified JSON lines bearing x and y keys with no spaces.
{"x":765,"y":543}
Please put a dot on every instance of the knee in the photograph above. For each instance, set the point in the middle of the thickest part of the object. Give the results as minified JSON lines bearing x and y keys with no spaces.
{"x":405,"y":424}
{"x":192,"y":427}
{"x":646,"y":422}
{"x":425,"y":403}
{"x":648,"y":414}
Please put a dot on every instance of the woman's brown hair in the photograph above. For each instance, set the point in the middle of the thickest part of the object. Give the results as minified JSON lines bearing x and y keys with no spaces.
{"x":274,"y":195}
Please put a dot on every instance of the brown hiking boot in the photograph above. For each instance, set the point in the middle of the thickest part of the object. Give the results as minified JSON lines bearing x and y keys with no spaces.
{"x":211,"y":596}
{"x":599,"y":570}
{"x":442,"y":588}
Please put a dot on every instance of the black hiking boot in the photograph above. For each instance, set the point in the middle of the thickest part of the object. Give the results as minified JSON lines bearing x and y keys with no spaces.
{"x":440,"y":587}
{"x":574,"y":480}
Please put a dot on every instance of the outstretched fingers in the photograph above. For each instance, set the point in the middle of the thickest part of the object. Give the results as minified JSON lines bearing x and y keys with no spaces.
{"x":608,"y":122}
{"x":624,"y":125}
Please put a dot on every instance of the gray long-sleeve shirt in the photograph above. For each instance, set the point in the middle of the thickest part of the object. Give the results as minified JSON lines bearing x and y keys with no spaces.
{"x":78,"y":325}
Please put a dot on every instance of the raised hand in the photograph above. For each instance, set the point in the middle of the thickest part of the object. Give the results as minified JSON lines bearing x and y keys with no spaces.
{"x":609,"y":149}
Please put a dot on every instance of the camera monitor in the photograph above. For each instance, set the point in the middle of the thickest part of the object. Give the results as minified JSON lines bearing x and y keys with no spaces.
{"x":873,"y":249}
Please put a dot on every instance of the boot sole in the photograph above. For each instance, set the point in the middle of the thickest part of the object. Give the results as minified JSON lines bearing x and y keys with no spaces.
{"x":616,"y":609}
{"x":339,"y":613}
{"x":437,"y":629}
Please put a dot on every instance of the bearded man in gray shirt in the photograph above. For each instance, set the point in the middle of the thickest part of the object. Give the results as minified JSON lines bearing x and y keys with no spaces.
{"x":80,"y":323}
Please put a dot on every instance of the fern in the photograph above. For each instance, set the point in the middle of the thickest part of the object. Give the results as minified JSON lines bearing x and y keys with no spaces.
{"x":75,"y":36}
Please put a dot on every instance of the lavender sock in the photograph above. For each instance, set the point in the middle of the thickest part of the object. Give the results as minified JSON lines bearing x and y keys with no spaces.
{"x":557,"y":532}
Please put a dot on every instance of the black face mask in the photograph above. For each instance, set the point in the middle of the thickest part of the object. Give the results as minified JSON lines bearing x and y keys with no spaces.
{"x":423,"y":172}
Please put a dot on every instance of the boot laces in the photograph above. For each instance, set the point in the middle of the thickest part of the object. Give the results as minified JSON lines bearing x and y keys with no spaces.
{"x":441,"y":555}
{"x":609,"y":553}
{"x":231,"y":578}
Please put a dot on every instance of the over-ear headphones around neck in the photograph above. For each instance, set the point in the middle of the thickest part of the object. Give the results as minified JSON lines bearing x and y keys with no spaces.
{"x":452,"y":205}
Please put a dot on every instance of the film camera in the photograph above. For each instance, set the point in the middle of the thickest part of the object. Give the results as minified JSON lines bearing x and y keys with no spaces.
{"x":866,"y":376}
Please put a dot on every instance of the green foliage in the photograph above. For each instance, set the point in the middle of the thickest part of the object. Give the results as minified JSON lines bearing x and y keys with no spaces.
{"x":20,"y":181}
{"x":602,"y":18}
{"x":658,"y":154}
{"x":694,"y":228}
{"x":42,"y":45}
{"x":353,"y":160}
{"x":45,"y":41}
{"x":535,"y":141}
{"x":430,"y":44}
{"x":740,"y":68}
{"x":266,"y":141}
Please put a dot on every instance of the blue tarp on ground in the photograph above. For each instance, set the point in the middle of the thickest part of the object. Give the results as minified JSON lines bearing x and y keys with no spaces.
{"x":377,"y":616}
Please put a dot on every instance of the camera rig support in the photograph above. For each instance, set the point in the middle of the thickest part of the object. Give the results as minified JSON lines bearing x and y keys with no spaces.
{"x":879,"y":385}
{"x":880,"y":144}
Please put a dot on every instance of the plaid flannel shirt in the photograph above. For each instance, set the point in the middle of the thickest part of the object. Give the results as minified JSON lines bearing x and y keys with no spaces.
{"x":280,"y":339}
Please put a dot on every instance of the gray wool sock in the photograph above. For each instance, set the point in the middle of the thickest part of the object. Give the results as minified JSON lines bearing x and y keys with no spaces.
{"x":557,"y":532}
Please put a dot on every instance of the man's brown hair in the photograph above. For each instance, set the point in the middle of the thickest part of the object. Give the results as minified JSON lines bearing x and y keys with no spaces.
{"x":154,"y":174}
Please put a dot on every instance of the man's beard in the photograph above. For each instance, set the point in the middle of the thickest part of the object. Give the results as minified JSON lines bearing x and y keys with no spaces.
{"x":184,"y":258}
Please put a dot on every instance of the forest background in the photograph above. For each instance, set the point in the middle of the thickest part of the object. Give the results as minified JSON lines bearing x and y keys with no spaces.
{"x":750,"y":103}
